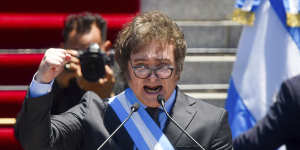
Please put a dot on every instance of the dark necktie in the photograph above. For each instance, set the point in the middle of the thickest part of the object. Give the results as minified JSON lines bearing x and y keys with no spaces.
{"x":154,"y":112}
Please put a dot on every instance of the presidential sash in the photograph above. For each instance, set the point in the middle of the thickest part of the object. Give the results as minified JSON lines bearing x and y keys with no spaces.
{"x":142,"y":129}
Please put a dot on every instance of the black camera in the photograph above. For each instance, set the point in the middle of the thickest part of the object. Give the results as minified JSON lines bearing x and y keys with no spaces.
{"x":92,"y":62}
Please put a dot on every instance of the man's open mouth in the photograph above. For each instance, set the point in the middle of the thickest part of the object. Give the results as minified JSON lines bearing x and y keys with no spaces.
{"x":153,"y":90}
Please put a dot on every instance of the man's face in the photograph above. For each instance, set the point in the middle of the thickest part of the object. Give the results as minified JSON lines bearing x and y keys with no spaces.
{"x":153,"y":55}
{"x":82,"y":41}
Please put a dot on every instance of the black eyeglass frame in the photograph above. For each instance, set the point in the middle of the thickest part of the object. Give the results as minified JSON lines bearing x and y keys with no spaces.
{"x":134,"y":68}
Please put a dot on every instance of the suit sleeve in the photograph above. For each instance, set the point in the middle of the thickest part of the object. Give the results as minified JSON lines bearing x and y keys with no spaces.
{"x":222,"y":139}
{"x":37,"y":129}
{"x":65,"y":98}
{"x":272,"y":131}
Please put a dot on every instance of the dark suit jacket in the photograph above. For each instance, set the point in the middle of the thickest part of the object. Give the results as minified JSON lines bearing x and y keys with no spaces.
{"x":280,"y":125}
{"x":66,"y":98}
{"x":88,"y":124}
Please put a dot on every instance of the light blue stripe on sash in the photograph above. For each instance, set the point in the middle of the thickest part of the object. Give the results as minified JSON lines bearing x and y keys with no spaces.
{"x":130,"y":126}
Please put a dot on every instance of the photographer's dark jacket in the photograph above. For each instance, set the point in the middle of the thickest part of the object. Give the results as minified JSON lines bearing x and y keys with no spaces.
{"x":88,"y":124}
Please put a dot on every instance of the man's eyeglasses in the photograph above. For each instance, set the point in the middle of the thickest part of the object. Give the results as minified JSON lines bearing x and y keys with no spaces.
{"x":143,"y":72}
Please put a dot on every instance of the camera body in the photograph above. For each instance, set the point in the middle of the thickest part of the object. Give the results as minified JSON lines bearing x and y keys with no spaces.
{"x":93,"y":61}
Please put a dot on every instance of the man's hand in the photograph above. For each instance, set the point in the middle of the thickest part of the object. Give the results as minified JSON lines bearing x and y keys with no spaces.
{"x":106,"y":46}
{"x":73,"y":70}
{"x":52,"y":64}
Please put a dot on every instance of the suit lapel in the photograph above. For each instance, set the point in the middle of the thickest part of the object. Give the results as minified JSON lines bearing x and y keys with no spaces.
{"x":183,"y":112}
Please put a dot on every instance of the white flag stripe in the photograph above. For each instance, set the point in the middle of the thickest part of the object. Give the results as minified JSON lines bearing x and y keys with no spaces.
{"x":294,"y":6}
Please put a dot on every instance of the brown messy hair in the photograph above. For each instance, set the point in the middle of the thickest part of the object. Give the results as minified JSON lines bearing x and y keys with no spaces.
{"x":144,"y":29}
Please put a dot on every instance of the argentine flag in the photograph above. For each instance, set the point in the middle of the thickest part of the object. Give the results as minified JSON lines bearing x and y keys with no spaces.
{"x":268,"y":53}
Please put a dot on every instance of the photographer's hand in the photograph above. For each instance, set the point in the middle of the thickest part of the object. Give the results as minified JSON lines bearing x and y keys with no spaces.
{"x":52,"y":64}
{"x":106,"y":46}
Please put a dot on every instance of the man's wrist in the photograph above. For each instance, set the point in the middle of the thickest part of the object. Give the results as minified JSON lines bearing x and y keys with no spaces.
{"x":37,"y":88}
{"x":37,"y":77}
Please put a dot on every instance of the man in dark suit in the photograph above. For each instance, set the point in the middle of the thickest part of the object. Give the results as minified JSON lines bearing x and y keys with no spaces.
{"x":150,"y":52}
{"x":280,"y":125}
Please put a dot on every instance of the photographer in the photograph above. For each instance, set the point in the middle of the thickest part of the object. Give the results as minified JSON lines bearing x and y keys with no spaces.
{"x":80,"y":31}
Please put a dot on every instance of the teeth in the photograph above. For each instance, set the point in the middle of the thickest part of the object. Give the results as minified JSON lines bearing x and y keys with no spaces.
{"x":153,"y":90}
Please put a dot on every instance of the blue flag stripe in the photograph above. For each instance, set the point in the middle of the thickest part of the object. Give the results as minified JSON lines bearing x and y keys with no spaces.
{"x":256,"y":4}
{"x":287,"y":5}
{"x":240,"y":118}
